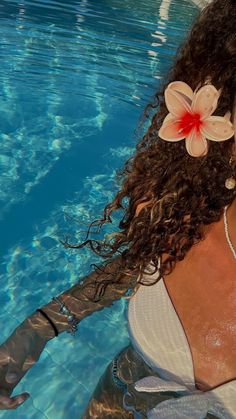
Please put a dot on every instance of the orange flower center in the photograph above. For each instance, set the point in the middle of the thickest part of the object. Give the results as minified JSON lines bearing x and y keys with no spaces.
{"x":189,"y":121}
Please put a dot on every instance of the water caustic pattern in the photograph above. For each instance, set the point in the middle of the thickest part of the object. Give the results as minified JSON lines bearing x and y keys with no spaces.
{"x":74,"y":79}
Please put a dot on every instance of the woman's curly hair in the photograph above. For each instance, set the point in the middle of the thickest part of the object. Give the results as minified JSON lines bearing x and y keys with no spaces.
{"x":182,"y":194}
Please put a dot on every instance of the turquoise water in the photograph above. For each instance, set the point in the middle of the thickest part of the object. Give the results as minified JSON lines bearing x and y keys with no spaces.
{"x":74,"y":80}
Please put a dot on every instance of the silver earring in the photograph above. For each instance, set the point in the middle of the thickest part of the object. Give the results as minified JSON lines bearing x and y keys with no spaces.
{"x":230,"y":183}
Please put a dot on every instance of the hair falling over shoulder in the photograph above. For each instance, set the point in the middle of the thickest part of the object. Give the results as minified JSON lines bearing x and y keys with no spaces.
{"x":180,"y":194}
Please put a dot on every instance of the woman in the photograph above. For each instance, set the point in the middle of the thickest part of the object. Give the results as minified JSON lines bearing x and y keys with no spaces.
{"x":175,"y":251}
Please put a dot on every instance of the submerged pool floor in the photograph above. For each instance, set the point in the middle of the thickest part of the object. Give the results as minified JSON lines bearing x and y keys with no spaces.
{"x":74,"y":79}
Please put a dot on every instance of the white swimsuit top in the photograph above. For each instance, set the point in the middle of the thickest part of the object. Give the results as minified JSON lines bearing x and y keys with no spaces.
{"x":158,"y":336}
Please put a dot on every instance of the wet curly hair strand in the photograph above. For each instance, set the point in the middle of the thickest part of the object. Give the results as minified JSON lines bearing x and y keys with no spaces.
{"x":182,"y":194}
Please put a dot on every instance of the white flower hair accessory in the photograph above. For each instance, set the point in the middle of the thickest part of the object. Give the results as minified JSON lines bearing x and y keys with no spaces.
{"x":190,"y":117}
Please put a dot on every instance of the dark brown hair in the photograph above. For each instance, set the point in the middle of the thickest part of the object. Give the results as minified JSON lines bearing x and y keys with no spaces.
{"x":183,"y":193}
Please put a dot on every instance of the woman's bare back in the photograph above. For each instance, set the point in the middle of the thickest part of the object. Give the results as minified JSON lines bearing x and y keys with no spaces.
{"x":202,"y":288}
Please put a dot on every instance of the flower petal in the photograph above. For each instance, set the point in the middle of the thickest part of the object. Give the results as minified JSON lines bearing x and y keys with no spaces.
{"x":169,"y":131}
{"x":169,"y":118}
{"x":217,"y":128}
{"x":176,"y":103}
{"x":196,"y":144}
{"x":181,"y":87}
{"x":205,"y":101}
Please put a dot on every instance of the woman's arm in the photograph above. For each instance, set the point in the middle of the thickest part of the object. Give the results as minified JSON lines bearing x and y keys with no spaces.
{"x":81,"y":301}
{"x":25,"y":345}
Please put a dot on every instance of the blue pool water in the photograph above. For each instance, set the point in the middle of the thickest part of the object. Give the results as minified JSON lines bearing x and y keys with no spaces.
{"x":75,"y":77}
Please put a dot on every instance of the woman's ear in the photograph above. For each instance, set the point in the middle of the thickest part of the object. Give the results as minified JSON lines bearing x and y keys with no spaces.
{"x":234,"y":124}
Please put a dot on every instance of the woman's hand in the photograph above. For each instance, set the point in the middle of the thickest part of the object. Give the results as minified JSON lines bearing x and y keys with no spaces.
{"x":17,"y":355}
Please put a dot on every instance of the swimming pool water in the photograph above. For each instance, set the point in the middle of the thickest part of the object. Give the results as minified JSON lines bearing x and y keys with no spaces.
{"x":74,"y":79}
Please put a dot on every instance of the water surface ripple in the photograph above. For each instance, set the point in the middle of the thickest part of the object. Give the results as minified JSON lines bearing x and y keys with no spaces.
{"x":75,"y":77}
